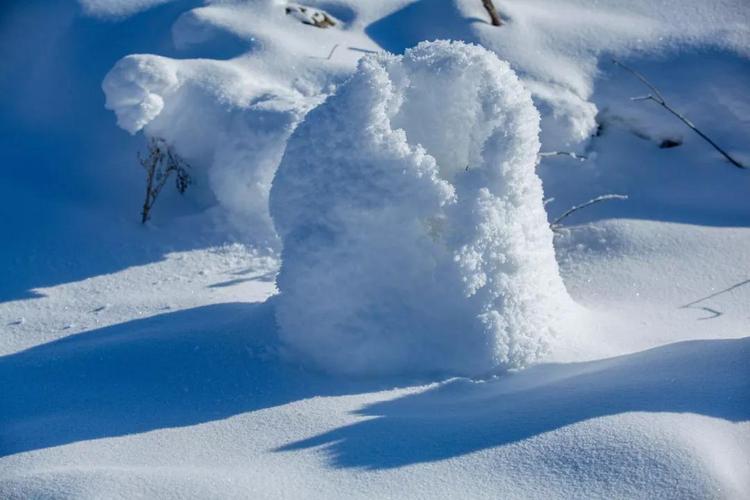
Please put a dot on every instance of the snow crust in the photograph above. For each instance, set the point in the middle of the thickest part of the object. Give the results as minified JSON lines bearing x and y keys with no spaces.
{"x":414,"y":236}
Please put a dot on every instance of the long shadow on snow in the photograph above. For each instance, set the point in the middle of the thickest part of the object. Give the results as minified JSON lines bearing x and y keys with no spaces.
{"x":176,"y":369}
{"x":213,"y":362}
{"x":709,"y":377}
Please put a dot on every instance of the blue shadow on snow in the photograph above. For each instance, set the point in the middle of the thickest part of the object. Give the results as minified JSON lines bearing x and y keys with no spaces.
{"x":214,"y":362}
{"x":176,"y":369}
{"x":706,"y":377}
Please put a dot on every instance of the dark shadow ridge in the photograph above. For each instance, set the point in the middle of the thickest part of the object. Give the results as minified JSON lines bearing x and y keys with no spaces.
{"x":708,"y":377}
{"x":176,"y":369}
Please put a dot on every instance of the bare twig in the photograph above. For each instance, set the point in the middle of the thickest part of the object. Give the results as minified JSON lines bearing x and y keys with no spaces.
{"x":160,"y":163}
{"x":713,"y":312}
{"x":555,"y":224}
{"x":311,"y":16}
{"x":573,"y":155}
{"x":492,"y":11}
{"x":658,"y":98}
{"x":333,"y":49}
{"x":365,"y":51}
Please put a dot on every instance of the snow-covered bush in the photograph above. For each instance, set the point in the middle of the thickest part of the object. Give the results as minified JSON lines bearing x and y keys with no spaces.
{"x":230,"y":125}
{"x":414,"y":234}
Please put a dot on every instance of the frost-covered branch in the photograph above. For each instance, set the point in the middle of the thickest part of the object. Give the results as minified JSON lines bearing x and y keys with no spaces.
{"x":658,"y":98}
{"x":555,"y":224}
{"x":492,"y":11}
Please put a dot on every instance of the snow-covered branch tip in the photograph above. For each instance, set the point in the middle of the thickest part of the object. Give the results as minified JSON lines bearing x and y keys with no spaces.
{"x":555,"y":224}
{"x":658,"y":98}
{"x":492,"y":11}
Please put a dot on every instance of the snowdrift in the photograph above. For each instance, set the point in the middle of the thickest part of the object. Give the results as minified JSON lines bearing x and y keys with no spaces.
{"x":414,"y":235}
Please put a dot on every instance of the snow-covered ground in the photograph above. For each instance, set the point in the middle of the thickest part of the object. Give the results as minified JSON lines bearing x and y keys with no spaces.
{"x":147,"y":361}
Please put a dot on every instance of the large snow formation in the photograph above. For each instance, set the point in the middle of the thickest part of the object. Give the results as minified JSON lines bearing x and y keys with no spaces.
{"x":411,"y":216}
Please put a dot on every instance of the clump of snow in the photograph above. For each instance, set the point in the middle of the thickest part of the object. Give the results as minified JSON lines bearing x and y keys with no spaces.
{"x":229,"y":124}
{"x":411,"y":217}
{"x":135,"y":89}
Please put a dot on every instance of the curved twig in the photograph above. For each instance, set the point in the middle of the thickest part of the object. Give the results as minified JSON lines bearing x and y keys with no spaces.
{"x":658,"y":98}
{"x":555,"y":224}
{"x":492,"y":12}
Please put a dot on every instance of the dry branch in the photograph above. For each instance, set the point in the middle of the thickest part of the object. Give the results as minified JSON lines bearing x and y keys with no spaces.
{"x":555,"y":224}
{"x":494,"y":17}
{"x":159,"y":164}
{"x":658,"y":98}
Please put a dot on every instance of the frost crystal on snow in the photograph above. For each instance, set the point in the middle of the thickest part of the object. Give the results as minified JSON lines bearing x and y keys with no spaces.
{"x":415,"y":238}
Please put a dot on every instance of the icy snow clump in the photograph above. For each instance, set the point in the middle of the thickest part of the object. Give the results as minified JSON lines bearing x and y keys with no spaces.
{"x":414,"y":234}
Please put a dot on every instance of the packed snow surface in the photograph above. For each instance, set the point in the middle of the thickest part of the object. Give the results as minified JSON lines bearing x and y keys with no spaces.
{"x":414,"y":235}
{"x":147,"y":361}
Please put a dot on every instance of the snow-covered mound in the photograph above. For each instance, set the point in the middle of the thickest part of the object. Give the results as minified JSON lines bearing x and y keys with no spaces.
{"x":232,"y":124}
{"x":411,"y":217}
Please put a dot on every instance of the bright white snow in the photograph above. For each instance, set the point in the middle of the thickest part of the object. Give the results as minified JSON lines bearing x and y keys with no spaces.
{"x":412,"y":223}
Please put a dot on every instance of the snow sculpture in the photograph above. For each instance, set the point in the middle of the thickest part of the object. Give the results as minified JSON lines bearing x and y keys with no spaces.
{"x":414,"y":234}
